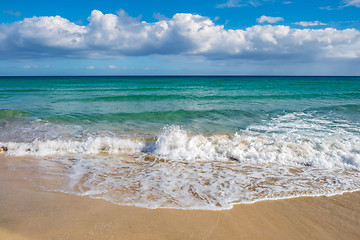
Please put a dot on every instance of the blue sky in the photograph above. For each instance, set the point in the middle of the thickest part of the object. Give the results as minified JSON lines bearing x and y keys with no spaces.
{"x":231,"y":37}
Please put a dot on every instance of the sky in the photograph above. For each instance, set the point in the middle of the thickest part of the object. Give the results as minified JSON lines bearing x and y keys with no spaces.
{"x":198,"y":37}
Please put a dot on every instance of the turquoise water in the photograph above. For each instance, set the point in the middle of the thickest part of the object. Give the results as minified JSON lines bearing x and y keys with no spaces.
{"x":211,"y":141}
{"x":199,"y":104}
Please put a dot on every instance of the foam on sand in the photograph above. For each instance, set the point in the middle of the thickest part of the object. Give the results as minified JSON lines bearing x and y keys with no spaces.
{"x":27,"y":212}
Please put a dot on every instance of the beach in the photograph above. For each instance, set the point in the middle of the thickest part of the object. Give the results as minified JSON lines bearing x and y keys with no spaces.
{"x":227,"y":119}
{"x":180,"y":157}
{"x":28,"y":212}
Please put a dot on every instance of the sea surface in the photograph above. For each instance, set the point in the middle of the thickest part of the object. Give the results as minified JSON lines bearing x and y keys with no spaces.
{"x":185,"y":142}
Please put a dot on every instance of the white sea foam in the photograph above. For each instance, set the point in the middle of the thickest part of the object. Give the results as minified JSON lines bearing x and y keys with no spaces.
{"x":91,"y":145}
{"x":291,"y":142}
{"x":193,"y":185}
{"x":322,"y":150}
{"x":291,"y":155}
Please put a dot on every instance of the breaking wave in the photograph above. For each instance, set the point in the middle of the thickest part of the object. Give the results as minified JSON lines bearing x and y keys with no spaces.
{"x":291,"y":155}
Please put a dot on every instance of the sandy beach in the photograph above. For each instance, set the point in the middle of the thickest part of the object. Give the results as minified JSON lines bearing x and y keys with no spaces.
{"x":162,"y":120}
{"x":28,"y":212}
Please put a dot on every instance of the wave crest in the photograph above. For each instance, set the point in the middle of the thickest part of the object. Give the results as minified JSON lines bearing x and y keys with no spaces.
{"x":325,"y":150}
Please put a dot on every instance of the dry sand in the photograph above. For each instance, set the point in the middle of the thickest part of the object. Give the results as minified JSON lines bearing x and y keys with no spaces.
{"x":27,"y":212}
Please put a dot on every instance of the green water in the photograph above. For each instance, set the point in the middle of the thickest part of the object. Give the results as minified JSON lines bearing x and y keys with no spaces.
{"x":198,"y":104}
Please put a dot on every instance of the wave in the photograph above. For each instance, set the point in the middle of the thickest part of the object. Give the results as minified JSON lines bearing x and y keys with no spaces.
{"x":344,"y":107}
{"x":25,"y":90}
{"x":177,"y":96}
{"x":290,"y":155}
{"x":176,"y":116}
{"x":65,"y":147}
{"x":182,"y":171}
{"x":277,"y":144}
{"x":6,"y":114}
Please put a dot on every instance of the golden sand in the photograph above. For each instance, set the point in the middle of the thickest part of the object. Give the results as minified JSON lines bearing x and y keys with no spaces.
{"x":27,"y":212}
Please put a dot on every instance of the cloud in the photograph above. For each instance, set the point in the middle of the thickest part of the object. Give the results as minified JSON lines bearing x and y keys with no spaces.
{"x":355,"y":3}
{"x":31,"y":66}
{"x":112,"y":67}
{"x":310,"y":23}
{"x":91,"y":67}
{"x":268,"y":19}
{"x":240,"y":3}
{"x":343,"y":4}
{"x":231,"y":4}
{"x":12,"y":13}
{"x":329,"y":8}
{"x":160,"y":17}
{"x":114,"y":36}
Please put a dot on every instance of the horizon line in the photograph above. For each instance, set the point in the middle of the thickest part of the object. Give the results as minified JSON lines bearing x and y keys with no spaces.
{"x":184,"y":75}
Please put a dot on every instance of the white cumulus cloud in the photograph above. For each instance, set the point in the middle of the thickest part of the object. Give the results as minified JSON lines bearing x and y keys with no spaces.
{"x":112,"y":36}
{"x":269,"y":19}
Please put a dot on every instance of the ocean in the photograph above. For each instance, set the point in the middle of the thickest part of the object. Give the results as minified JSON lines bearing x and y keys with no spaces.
{"x":194,"y":142}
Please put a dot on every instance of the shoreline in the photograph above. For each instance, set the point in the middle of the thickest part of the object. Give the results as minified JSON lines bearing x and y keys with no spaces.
{"x":30,"y":213}
{"x":224,"y":209}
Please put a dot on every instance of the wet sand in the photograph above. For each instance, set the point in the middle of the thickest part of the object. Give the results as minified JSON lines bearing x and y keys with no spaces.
{"x":27,"y":212}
